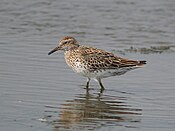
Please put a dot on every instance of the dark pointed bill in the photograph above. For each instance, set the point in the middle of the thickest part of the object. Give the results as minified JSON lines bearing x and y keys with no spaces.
{"x":52,"y":51}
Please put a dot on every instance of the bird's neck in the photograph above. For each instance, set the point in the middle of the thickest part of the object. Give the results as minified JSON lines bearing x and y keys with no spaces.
{"x":73,"y":47}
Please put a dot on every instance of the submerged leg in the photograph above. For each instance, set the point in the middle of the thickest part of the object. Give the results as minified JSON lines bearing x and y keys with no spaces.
{"x":87,"y":84}
{"x":101,"y":85}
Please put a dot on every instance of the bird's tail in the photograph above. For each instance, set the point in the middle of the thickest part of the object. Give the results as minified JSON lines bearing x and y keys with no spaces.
{"x":141,"y":63}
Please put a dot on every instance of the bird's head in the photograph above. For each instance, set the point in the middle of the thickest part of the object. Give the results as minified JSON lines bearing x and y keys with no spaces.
{"x":67,"y":43}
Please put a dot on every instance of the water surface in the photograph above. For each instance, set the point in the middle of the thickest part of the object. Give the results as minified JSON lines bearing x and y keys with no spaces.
{"x":39,"y":92}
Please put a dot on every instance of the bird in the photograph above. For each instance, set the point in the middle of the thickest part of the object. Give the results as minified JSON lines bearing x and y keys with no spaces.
{"x":92,"y":62}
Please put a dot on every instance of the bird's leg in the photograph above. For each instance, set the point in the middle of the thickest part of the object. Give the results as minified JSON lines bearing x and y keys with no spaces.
{"x":87,"y":84}
{"x":101,"y":91}
{"x":101,"y":85}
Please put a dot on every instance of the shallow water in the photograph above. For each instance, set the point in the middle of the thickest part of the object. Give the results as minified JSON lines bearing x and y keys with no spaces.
{"x":39,"y":92}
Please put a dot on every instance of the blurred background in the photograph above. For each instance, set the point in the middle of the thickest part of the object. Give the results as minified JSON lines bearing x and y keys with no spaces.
{"x":39,"y":92}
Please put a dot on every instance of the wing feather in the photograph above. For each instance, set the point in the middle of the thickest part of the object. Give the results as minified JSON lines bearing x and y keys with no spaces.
{"x":100,"y":59}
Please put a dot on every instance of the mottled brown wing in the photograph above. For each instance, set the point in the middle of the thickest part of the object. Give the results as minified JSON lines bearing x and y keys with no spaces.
{"x":100,"y":59}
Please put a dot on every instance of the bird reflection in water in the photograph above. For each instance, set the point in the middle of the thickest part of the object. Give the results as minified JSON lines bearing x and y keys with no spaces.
{"x":91,"y":111}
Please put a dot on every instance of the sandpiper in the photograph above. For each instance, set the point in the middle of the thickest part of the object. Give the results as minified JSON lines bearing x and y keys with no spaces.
{"x":94,"y":63}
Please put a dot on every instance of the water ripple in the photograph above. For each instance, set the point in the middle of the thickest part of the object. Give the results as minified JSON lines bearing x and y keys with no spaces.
{"x":91,"y":111}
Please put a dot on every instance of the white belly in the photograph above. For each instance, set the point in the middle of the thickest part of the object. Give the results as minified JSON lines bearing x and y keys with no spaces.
{"x":102,"y":73}
{"x":83,"y":70}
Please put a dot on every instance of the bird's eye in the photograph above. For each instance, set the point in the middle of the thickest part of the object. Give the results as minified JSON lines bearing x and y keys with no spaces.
{"x":65,"y":42}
